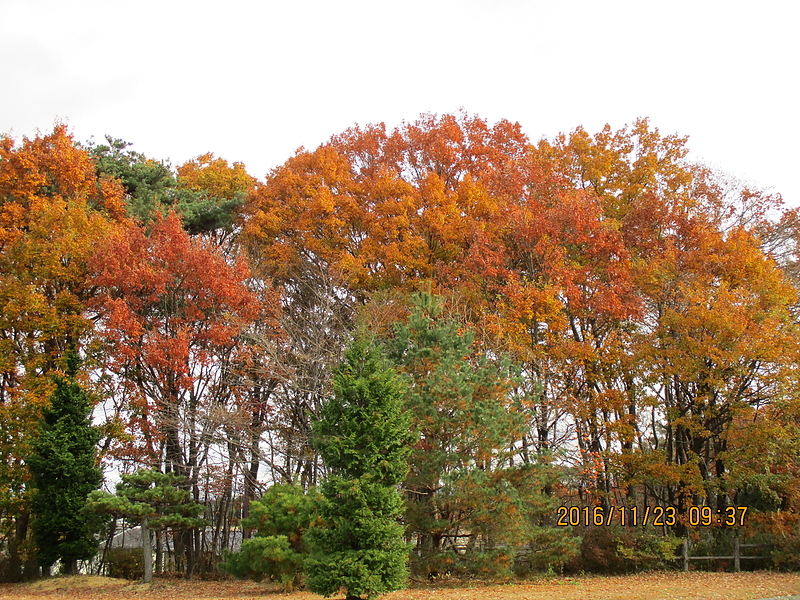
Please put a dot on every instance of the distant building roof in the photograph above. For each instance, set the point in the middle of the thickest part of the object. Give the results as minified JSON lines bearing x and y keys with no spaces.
{"x":132,"y":538}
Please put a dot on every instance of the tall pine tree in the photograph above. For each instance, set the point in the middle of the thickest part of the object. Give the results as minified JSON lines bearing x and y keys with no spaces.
{"x":363,"y":437}
{"x":64,"y":470}
{"x":464,"y":478}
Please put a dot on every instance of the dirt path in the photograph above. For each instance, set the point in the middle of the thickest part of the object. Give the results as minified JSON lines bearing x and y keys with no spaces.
{"x":651,"y":586}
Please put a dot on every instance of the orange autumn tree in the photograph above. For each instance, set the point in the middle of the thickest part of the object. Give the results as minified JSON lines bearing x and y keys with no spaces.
{"x":550,"y":250}
{"x":207,"y":173}
{"x":710,"y":336}
{"x":473,"y":208}
{"x":174,"y":313}
{"x":563,"y":316}
{"x":571,"y":305}
{"x":722,"y":345}
{"x":383,"y":209}
{"x":54,"y":211}
{"x":375,"y":211}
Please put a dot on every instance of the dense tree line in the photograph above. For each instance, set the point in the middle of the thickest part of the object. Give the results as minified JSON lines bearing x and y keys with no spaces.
{"x":588,"y":321}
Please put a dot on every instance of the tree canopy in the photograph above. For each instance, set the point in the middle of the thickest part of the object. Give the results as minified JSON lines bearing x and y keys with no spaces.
{"x":592,"y":321}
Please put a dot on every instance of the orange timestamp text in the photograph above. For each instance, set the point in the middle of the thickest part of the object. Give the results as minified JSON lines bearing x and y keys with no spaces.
{"x":696,"y":516}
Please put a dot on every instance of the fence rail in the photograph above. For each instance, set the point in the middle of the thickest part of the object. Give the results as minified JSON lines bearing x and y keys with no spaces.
{"x":737,"y":556}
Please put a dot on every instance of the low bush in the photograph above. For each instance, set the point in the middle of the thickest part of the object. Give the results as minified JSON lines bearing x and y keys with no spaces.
{"x":618,"y":550}
{"x":278,"y":551}
{"x":125,"y":563}
{"x":269,"y":557}
{"x":487,"y":565}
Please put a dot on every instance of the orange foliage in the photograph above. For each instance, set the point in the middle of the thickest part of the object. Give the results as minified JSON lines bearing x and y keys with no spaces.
{"x":53,"y":214}
{"x":172,"y":311}
{"x":215,"y":176}
{"x":606,"y":265}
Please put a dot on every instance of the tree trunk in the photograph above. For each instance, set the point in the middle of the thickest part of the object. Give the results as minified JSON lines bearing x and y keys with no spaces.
{"x":147,"y":548}
{"x":189,"y":549}
{"x":71,"y":567}
{"x":14,"y":543}
{"x":251,"y":474}
{"x":159,"y":553}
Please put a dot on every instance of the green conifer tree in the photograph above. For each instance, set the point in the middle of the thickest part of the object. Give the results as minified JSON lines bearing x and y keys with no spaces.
{"x":363,"y":437}
{"x":463,"y":477}
{"x":64,"y":470}
{"x":151,"y":187}
{"x":152,"y":500}
{"x":278,"y":550}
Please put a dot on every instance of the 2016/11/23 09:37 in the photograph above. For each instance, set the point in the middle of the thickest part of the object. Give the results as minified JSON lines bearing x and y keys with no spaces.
{"x":696,"y":516}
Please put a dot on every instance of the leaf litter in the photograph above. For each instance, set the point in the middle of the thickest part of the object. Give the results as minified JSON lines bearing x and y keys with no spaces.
{"x":649,"y":586}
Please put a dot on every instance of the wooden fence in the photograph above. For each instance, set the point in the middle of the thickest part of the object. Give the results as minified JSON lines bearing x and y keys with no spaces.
{"x":737,"y":555}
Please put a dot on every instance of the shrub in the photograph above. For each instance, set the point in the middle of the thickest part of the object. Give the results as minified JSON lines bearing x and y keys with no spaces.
{"x":271,"y":557}
{"x":647,"y":549}
{"x":550,"y":548}
{"x":125,"y":563}
{"x":613,"y":550}
{"x":281,"y":519}
{"x":487,"y":565}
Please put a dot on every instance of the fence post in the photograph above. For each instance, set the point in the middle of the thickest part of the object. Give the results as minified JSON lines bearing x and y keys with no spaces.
{"x":736,"y":566}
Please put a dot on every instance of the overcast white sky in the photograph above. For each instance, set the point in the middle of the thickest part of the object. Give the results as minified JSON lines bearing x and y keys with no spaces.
{"x":253,"y":81}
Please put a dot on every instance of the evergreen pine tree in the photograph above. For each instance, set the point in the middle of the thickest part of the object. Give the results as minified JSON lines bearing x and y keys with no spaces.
{"x":279,"y":549}
{"x":152,"y":500}
{"x":363,"y":437}
{"x":63,"y":464}
{"x":462,"y":475}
